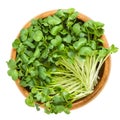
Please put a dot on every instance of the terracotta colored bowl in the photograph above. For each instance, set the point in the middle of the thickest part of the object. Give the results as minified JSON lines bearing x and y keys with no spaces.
{"x":104,"y":73}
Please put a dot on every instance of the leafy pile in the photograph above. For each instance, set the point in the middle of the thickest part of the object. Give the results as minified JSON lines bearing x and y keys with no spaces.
{"x":58,"y":60}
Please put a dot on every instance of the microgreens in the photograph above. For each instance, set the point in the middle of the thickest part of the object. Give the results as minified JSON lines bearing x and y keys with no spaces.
{"x":58,"y":60}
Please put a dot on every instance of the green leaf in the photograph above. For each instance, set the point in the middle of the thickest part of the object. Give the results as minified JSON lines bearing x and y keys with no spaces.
{"x":64,"y":32}
{"x":53,"y":20}
{"x":37,"y":106}
{"x":56,"y":29}
{"x":67,"y":110}
{"x":24,"y":58}
{"x":66,"y":96}
{"x":31,"y":32}
{"x":29,"y":53}
{"x":71,"y":54}
{"x":57,"y":41}
{"x":30,"y":101}
{"x":70,"y":10}
{"x":21,"y":49}
{"x":23,"y":83}
{"x":29,"y":44}
{"x":113,"y":49}
{"x":57,"y":100}
{"x":82,"y":35}
{"x":60,"y":13}
{"x":79,"y":43}
{"x":102,"y":53}
{"x":13,"y":73}
{"x":85,"y":51}
{"x":34,"y":90}
{"x":36,"y":63}
{"x":32,"y":59}
{"x":76,"y":29}
{"x":34,"y":21}
{"x":42,"y":72}
{"x":45,"y":53}
{"x":38,"y":96}
{"x":56,"y":55}
{"x":59,"y":109}
{"x":93,"y":44}
{"x":61,"y":47}
{"x":67,"y":38}
{"x":69,"y":24}
{"x":93,"y":27}
{"x":11,"y":64}
{"x":24,"y":34}
{"x":33,"y":72}
{"x":16,"y":43}
{"x":46,"y":91}
{"x":36,"y":53}
{"x":30,"y":84}
{"x":38,"y":35}
{"x":44,"y":98}
{"x":73,"y":16}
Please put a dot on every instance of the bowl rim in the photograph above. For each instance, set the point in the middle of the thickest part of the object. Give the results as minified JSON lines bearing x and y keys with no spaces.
{"x":106,"y":70}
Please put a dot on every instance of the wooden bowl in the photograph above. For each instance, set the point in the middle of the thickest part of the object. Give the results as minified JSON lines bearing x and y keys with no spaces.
{"x":104,"y":73}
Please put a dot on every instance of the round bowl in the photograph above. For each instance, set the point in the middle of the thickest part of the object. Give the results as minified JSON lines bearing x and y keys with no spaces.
{"x":104,"y":72}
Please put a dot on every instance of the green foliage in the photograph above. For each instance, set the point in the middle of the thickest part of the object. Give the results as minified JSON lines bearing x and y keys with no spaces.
{"x":11,"y":64}
{"x":38,"y":35}
{"x":12,"y":69}
{"x":13,"y":73}
{"x":58,"y":60}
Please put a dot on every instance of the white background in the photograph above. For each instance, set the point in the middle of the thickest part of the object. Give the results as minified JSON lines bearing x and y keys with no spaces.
{"x":14,"y":14}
